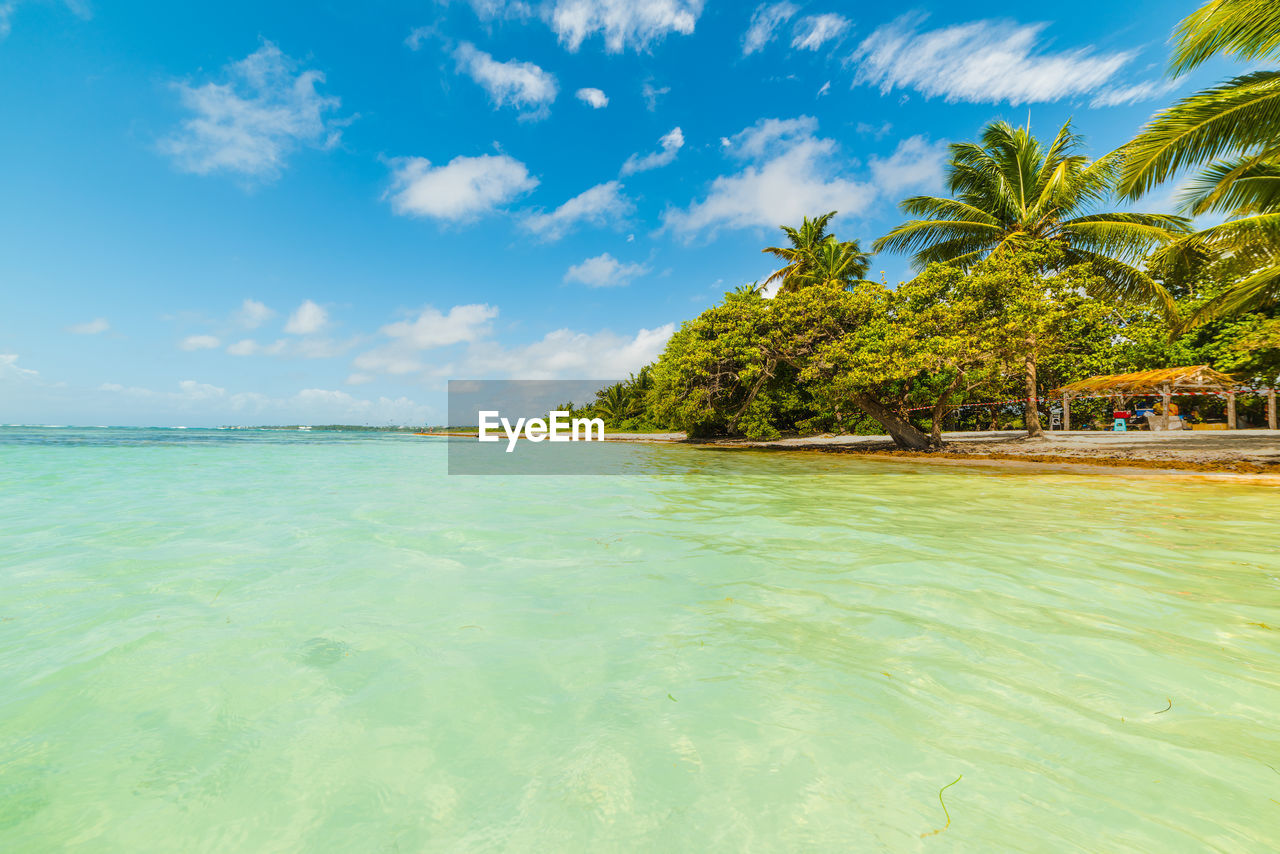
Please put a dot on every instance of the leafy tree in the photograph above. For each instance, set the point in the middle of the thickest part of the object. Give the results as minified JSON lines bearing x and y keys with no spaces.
{"x":757,"y":366}
{"x":1010,"y":192}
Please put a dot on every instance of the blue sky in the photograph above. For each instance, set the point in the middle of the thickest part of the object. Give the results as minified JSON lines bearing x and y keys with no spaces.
{"x":255,"y":213}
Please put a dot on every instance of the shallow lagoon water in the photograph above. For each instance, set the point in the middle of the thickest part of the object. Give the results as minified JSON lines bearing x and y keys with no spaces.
{"x":253,"y":641}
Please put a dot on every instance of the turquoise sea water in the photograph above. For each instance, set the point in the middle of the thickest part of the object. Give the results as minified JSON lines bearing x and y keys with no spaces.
{"x":237,"y":641}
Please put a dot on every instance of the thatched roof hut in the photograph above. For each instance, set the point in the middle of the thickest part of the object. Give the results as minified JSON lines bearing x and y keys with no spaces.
{"x":1185,"y":380}
{"x":1166,"y":382}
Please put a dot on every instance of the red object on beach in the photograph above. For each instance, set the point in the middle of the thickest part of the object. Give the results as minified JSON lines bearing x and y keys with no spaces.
{"x":1122,"y":413}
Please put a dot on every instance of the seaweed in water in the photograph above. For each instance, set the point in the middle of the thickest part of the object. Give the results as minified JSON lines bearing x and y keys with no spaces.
{"x":944,"y":808}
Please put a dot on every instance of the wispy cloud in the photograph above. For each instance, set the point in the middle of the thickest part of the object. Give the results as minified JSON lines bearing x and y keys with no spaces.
{"x":604,"y":271}
{"x":307,"y":406}
{"x":651,"y":94}
{"x":9,"y":368}
{"x":92,"y":327}
{"x":915,"y":163}
{"x":565,"y":353}
{"x":522,"y":85}
{"x":765,"y":21}
{"x":980,"y":62}
{"x":622,"y":24}
{"x":200,"y":342}
{"x":250,"y":123}
{"x":668,"y":147}
{"x":599,"y":205}
{"x":813,"y":31}
{"x":430,"y":329}
{"x":463,"y":189}
{"x":253,"y":314}
{"x":1145,"y":91}
{"x":80,"y":8}
{"x":790,"y":173}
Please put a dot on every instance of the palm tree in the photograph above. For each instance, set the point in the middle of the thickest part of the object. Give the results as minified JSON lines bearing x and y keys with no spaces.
{"x":613,"y":403}
{"x":1008,"y":191}
{"x":838,"y":263}
{"x":1235,"y":128}
{"x":817,"y":257}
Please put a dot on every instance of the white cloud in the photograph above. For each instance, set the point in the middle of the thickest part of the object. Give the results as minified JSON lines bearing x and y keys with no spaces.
{"x":791,"y":173}
{"x":298,"y":348}
{"x":764,"y":23}
{"x":565,"y":354}
{"x":595,"y":97}
{"x":669,"y":145}
{"x":92,"y":327}
{"x":877,"y":131}
{"x":245,"y":347}
{"x":308,"y":406}
{"x":598,"y":205}
{"x":915,"y":163}
{"x":518,"y":84}
{"x":253,"y":314}
{"x":980,"y":62}
{"x":463,"y":189}
{"x":419,"y":35}
{"x":1120,"y":95}
{"x":488,"y":10}
{"x":251,"y":123}
{"x":651,"y":94}
{"x":80,"y":8}
{"x":306,"y":319}
{"x":813,"y":31}
{"x":769,"y":136}
{"x":623,"y":24}
{"x":200,"y":342}
{"x":604,"y":271}
{"x":430,"y":330}
{"x":9,"y":368}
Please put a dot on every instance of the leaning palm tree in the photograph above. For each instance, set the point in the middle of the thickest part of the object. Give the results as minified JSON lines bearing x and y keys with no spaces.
{"x":815,"y":256}
{"x":1008,"y":191}
{"x":1233,"y":127}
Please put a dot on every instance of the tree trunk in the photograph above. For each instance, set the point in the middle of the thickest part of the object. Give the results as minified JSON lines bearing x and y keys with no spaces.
{"x":939,"y":412}
{"x":1032,"y":408}
{"x":903,"y":432}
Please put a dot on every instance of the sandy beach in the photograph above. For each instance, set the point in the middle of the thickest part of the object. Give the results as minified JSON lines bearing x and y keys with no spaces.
{"x":1237,"y":451}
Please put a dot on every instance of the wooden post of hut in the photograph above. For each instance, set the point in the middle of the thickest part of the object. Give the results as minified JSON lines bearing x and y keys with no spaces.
{"x":1271,"y":408}
{"x":1066,"y":412}
{"x":1231,"y":410}
{"x":1165,"y":400}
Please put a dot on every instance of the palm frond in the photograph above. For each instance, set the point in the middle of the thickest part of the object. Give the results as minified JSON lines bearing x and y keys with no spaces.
{"x":1120,"y":281}
{"x":1235,"y":116}
{"x":1241,"y":185}
{"x":1246,"y":29}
